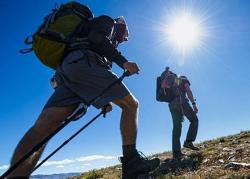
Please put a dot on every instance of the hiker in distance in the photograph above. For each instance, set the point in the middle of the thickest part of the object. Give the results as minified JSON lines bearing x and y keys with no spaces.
{"x":83,"y":72}
{"x":180,"y":94}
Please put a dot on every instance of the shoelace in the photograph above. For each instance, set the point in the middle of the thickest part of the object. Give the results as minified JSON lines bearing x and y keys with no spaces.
{"x":142,"y":155}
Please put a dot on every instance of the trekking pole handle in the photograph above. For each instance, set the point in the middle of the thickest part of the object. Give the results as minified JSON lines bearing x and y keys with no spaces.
{"x":104,"y":109}
{"x":126,"y":73}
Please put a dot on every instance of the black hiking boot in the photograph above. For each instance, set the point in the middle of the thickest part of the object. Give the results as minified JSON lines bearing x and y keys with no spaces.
{"x":138,"y":165}
{"x":190,"y":145}
{"x":178,"y":155}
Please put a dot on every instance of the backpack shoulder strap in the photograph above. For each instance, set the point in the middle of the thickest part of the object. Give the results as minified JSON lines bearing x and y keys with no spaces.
{"x":25,"y":50}
{"x":28,"y":41}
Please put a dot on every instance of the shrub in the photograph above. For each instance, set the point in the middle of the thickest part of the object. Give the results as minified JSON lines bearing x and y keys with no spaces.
{"x":94,"y":174}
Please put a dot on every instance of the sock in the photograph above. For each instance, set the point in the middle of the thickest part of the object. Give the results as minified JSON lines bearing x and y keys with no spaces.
{"x":129,"y":151}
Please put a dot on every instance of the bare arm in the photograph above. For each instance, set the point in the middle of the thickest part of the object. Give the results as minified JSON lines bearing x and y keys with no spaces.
{"x":191,"y":97}
{"x":189,"y":93}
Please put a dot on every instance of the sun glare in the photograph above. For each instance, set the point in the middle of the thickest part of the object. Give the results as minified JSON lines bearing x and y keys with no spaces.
{"x":184,"y":32}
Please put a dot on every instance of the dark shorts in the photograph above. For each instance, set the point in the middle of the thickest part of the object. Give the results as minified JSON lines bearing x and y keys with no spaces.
{"x":82,"y":76}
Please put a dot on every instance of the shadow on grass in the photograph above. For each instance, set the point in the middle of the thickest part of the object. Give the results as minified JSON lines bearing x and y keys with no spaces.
{"x":176,"y":166}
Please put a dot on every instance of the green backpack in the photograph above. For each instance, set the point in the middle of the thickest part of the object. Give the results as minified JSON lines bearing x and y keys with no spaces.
{"x":58,"y":32}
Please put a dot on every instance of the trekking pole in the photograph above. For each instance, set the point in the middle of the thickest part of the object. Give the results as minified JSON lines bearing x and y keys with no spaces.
{"x":34,"y":149}
{"x":68,"y":140}
{"x":66,"y":122}
{"x":85,"y":126}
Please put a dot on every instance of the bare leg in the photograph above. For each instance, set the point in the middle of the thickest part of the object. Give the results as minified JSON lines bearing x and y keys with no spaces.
{"x":132,"y":163}
{"x":47,"y":122}
{"x":128,"y":125}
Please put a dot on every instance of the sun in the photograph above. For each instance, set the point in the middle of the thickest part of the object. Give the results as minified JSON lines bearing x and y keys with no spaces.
{"x":184,"y":31}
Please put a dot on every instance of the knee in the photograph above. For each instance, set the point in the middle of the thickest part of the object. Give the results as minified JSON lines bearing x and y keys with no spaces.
{"x":129,"y":103}
{"x":133,"y":103}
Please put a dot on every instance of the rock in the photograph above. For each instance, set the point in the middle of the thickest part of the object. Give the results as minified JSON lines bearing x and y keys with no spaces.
{"x":241,"y":146}
{"x":214,"y":167}
{"x":205,"y":145}
{"x":227,"y":149}
{"x":237,"y":165}
{"x":221,"y":154}
{"x":221,"y":161}
{"x":239,"y":150}
{"x":232,"y":153}
{"x":206,"y":160}
{"x":236,"y":142}
{"x":231,"y":158}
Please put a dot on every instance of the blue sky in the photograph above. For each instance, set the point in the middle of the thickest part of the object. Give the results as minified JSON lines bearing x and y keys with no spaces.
{"x":218,"y":71}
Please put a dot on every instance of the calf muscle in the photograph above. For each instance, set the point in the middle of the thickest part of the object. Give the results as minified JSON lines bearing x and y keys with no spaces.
{"x":128,"y":124}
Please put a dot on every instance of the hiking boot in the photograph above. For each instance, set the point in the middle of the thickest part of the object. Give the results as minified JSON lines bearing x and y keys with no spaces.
{"x":139,"y":164}
{"x":178,"y":155}
{"x":190,"y":145}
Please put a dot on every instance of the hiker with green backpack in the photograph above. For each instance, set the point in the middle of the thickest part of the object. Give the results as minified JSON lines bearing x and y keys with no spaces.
{"x":81,"y":48}
{"x":176,"y":91}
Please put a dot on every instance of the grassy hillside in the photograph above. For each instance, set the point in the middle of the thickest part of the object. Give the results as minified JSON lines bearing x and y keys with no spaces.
{"x":225,"y":157}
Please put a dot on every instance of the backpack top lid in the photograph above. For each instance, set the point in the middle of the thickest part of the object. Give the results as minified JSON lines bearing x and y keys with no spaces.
{"x":83,"y":9}
{"x":167,"y":71}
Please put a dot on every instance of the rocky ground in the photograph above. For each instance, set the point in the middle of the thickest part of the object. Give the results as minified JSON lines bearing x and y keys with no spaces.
{"x":225,"y":157}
